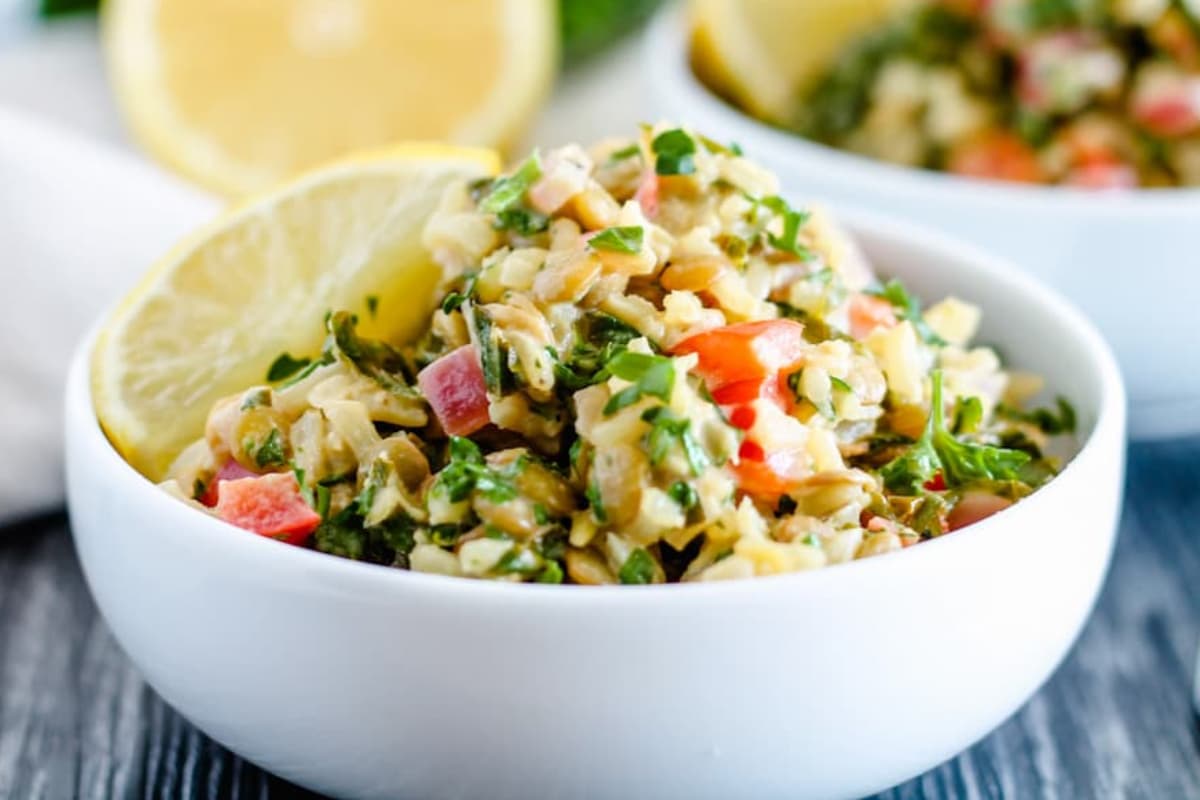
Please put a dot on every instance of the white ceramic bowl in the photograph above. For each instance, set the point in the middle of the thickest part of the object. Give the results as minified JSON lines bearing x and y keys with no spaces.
{"x":364,"y":681}
{"x":1131,"y":260}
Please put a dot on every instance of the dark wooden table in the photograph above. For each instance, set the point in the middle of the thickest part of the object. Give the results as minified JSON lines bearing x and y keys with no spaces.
{"x":1115,"y":721}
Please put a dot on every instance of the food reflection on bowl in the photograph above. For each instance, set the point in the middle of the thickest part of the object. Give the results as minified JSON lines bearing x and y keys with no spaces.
{"x":356,"y":680}
{"x":1125,"y":256}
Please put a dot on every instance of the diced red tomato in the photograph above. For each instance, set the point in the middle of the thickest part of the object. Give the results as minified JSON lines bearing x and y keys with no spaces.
{"x":269,"y":505}
{"x":647,"y":194}
{"x":997,"y":155}
{"x":746,"y":351}
{"x":1168,"y":114}
{"x":743,"y":417}
{"x":973,"y":507}
{"x":231,"y":470}
{"x":767,"y":476}
{"x":771,"y":387}
{"x":937,"y":483}
{"x":867,"y":313}
{"x":455,"y":390}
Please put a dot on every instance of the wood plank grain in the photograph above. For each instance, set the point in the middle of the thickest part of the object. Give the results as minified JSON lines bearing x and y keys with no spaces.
{"x":1115,"y":721}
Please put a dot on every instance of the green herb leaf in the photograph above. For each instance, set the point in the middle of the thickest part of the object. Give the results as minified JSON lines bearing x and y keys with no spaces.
{"x":685,"y":494}
{"x":618,"y":240}
{"x":793,"y":221}
{"x":1054,"y":424}
{"x":376,"y":359}
{"x":269,"y":452}
{"x":908,"y":307}
{"x":667,"y":427}
{"x":373,"y":305}
{"x":285,"y":367}
{"x":491,"y":356}
{"x":629,"y":151}
{"x":674,"y":151}
{"x":522,"y":221}
{"x":508,"y":190}
{"x":651,"y":375}
{"x":960,"y":462}
{"x":551,"y":573}
{"x":638,"y":568}
{"x":595,"y":502}
{"x":467,"y":472}
{"x":598,"y":338}
{"x":968,"y":415}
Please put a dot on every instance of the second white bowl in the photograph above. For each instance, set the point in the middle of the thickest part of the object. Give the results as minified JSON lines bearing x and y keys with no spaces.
{"x":1131,"y":260}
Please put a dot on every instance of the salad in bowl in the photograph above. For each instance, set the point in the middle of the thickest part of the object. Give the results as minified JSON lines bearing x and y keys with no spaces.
{"x":645,"y":365}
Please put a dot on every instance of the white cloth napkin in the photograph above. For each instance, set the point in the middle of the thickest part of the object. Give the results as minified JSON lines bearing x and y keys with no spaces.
{"x":79,"y":222}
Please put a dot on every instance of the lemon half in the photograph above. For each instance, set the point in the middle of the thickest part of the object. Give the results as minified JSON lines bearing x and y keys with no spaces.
{"x":214,"y":313}
{"x":759,"y":53}
{"x":241,"y":94}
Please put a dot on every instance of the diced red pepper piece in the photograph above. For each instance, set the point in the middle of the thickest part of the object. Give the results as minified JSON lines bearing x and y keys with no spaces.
{"x":771,"y":387}
{"x":455,"y":389}
{"x":269,"y":505}
{"x":937,"y":483}
{"x":867,"y":313}
{"x":973,"y":507}
{"x":743,"y":417}
{"x":231,"y":470}
{"x":746,"y":351}
{"x":997,"y":155}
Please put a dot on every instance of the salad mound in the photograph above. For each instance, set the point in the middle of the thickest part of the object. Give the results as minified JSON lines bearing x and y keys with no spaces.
{"x":646,"y":366}
{"x":1088,"y":93}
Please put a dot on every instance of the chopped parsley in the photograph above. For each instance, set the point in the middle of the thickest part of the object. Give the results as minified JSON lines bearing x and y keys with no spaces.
{"x":618,"y":240}
{"x":685,"y":494}
{"x":374,"y":358}
{"x":521,"y":220}
{"x":269,"y":452}
{"x":467,"y":471}
{"x":496,"y":376}
{"x":598,"y":338}
{"x":638,"y":568}
{"x":960,"y":462}
{"x":651,"y":376}
{"x":1050,"y":422}
{"x":793,"y":221}
{"x":674,"y":152}
{"x":285,"y":366}
{"x":968,"y":415}
{"x":373,"y":305}
{"x":551,"y":573}
{"x":629,"y":151}
{"x":666,"y":428}
{"x":595,"y":502}
{"x":908,"y":307}
{"x":507,"y":190}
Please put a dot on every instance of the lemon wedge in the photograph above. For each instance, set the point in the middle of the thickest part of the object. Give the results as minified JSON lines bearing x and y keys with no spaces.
{"x":214,"y":313}
{"x":759,"y":53}
{"x":241,"y":94}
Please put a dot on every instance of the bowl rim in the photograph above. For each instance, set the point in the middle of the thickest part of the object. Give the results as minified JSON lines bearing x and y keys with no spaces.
{"x":665,"y":54}
{"x":232,"y":542}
